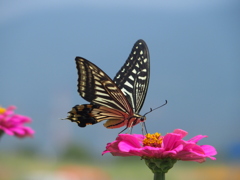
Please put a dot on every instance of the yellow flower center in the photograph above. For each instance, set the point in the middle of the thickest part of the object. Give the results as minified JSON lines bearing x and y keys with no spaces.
{"x":154,"y":140}
{"x":2,"y":110}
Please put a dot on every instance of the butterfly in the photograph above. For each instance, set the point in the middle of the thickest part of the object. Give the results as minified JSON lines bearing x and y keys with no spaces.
{"x":118,"y":101}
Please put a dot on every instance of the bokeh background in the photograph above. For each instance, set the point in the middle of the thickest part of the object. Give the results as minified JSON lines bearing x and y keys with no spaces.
{"x":195,"y":65}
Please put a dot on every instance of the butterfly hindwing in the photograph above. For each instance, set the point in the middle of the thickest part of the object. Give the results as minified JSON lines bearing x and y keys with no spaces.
{"x":88,"y":114}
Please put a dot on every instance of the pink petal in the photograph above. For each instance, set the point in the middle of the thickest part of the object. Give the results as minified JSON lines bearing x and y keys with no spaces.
{"x":180,"y":132}
{"x":132,"y":140}
{"x":173,"y":152}
{"x":7,"y":131}
{"x":170,"y":140}
{"x":209,"y":150}
{"x":197,"y":138}
{"x":190,"y":156}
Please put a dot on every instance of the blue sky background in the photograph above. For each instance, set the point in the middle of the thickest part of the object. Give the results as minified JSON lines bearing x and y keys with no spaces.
{"x":195,"y":65}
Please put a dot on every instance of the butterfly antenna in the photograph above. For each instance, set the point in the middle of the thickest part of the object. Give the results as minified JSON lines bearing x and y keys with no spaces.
{"x":156,"y":108}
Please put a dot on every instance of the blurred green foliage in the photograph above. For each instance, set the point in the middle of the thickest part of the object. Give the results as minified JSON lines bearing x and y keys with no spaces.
{"x":21,"y":167}
{"x":75,"y":152}
{"x":28,"y":164}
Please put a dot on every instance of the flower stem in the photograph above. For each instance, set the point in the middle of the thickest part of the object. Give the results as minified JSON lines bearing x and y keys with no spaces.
{"x":159,"y":176}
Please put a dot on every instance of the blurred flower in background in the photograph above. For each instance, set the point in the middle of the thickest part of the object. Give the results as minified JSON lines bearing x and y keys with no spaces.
{"x":13,"y":124}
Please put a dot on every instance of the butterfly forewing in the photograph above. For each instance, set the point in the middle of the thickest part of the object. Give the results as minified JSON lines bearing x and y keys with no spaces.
{"x":133,"y":77}
{"x":95,"y":86}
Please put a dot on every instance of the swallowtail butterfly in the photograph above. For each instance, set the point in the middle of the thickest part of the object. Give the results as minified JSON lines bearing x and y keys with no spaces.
{"x":118,"y":101}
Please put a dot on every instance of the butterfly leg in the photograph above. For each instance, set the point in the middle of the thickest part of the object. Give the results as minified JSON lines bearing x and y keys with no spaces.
{"x":144,"y":128}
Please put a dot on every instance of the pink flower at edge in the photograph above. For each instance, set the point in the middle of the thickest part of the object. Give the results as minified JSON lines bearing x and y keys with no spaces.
{"x":169,"y":146}
{"x":13,"y":124}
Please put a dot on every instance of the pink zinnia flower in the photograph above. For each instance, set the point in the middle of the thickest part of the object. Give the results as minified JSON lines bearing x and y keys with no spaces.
{"x":13,"y":124}
{"x":155,"y":146}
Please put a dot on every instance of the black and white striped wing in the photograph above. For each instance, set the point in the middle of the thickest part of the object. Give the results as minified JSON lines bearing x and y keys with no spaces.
{"x":98,"y":88}
{"x":133,"y":77}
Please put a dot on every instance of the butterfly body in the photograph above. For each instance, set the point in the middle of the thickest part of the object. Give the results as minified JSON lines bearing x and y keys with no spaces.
{"x":119,"y":100}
